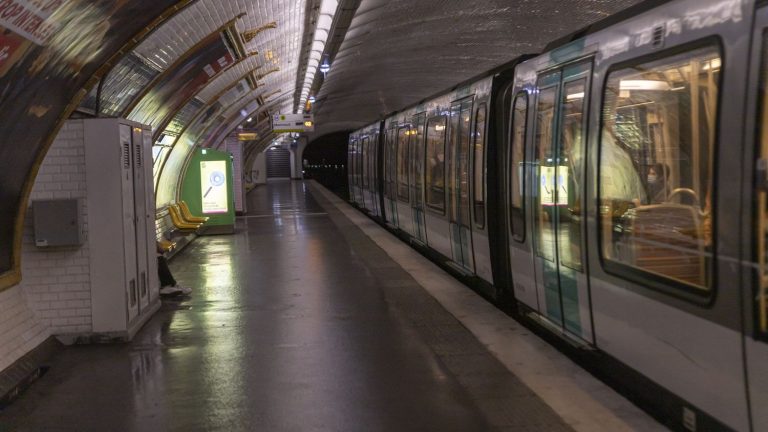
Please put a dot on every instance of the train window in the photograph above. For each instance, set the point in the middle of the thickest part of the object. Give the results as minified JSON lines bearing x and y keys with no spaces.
{"x":462,"y":162}
{"x":570,"y":173}
{"x":657,"y":169}
{"x":402,"y":164}
{"x":417,"y":140}
{"x":366,"y":172}
{"x":545,"y":128}
{"x":517,"y":167}
{"x":479,"y":168}
{"x":435,"y":163}
{"x":392,"y":162}
{"x":761,"y":299}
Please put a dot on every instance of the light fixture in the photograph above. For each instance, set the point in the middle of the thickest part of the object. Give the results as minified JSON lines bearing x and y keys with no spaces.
{"x":644,"y":85}
{"x":575,"y":96}
{"x":325,"y":67}
{"x":311,"y":99}
{"x":250,"y":119}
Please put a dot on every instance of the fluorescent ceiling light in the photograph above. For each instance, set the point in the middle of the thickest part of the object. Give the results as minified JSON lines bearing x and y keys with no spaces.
{"x":644,"y":85}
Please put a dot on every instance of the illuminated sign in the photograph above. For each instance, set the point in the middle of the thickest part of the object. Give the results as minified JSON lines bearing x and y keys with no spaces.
{"x":285,"y":123}
{"x":246,"y":136}
{"x":30,"y":19}
{"x":547,"y":186}
{"x":213,"y":184}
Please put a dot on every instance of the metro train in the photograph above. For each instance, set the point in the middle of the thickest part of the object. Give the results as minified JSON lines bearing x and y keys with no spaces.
{"x":614,"y":191}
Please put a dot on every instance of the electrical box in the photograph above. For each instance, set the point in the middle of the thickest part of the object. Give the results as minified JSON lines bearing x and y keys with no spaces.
{"x":57,"y":222}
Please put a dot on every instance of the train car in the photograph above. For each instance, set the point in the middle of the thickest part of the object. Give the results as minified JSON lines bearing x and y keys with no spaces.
{"x":628,"y":212}
{"x":433,"y":161}
{"x":364,"y":160}
{"x":625,"y":165}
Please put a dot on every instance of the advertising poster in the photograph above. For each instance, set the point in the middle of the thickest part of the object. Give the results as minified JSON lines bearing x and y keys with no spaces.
{"x":49,"y":49}
{"x":547,"y":185}
{"x":183,"y":81}
{"x":213,"y":186}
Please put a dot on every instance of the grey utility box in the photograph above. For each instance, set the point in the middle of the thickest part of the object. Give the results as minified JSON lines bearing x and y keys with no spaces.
{"x":57,"y":222}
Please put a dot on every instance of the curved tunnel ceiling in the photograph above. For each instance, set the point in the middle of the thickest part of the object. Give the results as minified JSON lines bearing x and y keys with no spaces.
{"x":397,"y":52}
{"x":113,"y":54}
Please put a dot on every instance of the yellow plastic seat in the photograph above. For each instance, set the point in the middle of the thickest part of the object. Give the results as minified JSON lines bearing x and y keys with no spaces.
{"x":166,"y":245}
{"x":188,"y":216}
{"x":178,"y":221}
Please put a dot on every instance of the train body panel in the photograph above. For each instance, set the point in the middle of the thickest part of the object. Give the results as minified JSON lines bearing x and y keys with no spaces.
{"x":632,"y":176}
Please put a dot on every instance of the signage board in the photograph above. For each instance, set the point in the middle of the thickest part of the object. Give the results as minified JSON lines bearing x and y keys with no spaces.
{"x":286,"y":123}
{"x":30,"y":19}
{"x":247,"y":136}
{"x":213,"y":184}
{"x":548,"y":182}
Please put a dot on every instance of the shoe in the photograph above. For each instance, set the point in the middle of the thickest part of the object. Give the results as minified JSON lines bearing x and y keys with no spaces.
{"x":170,"y":291}
{"x":184,"y":290}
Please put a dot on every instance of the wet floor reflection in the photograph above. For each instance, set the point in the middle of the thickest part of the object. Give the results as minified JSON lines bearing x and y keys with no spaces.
{"x":286,"y":330}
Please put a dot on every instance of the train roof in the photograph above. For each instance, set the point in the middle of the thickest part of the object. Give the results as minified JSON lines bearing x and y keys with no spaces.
{"x":500,"y":69}
{"x":605,"y":23}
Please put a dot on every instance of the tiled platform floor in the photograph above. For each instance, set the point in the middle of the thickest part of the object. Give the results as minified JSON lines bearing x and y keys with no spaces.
{"x":298,"y":322}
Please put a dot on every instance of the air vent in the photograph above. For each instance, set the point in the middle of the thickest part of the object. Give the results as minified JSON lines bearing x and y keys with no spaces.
{"x":139,"y":155}
{"x":658,"y":36}
{"x":126,"y":155}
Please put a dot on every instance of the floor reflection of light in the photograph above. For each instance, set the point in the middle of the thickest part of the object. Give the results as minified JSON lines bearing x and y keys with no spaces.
{"x":223,"y":326}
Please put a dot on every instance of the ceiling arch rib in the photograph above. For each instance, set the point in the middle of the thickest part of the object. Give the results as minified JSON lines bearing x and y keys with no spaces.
{"x":252,"y":109}
{"x":278,"y":45}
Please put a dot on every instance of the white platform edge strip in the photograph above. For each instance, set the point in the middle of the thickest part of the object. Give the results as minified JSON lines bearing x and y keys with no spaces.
{"x":583,"y":402}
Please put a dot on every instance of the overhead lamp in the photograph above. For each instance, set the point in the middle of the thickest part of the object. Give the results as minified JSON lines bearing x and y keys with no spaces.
{"x":250,"y":119}
{"x":325,"y":67}
{"x":644,"y":85}
{"x":312,"y":99}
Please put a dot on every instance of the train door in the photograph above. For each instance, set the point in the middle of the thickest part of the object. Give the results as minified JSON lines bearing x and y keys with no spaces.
{"x":390,"y":176}
{"x":756,"y":343}
{"x":405,"y":223}
{"x":365,"y":173}
{"x":374,"y":180}
{"x":417,"y":178}
{"x":558,"y":223}
{"x":459,"y":184}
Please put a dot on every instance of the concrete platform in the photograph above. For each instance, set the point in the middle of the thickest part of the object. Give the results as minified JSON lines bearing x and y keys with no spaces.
{"x":312,"y":318}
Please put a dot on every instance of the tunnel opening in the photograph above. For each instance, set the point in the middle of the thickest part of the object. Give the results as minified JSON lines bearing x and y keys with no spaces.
{"x":325,"y":160}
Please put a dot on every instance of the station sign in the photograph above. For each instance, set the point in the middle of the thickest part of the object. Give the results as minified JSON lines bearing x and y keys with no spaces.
{"x":286,"y":123}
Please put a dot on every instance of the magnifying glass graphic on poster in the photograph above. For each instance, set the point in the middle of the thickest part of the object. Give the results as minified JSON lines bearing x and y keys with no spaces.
{"x":216,"y":179}
{"x":213,"y":181}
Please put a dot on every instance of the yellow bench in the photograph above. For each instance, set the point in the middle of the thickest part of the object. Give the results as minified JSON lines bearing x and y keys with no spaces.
{"x":166,"y":246}
{"x":179,"y":222}
{"x":188,"y":216}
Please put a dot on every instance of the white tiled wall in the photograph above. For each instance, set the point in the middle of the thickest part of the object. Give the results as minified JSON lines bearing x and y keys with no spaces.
{"x":54,"y":294}
{"x":56,"y":281}
{"x":20,"y":330}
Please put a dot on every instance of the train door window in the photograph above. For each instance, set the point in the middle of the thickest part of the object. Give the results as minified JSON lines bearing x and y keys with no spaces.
{"x":353,"y":161}
{"x":390,"y":163}
{"x":479,"y":167}
{"x":761,"y":298}
{"x":435,"y":163}
{"x":517,"y":166}
{"x":544,"y":160}
{"x":453,"y":139}
{"x":365,"y":172}
{"x":657,"y":169}
{"x":570,"y":173}
{"x":462,"y":162}
{"x":374,"y":162}
{"x":417,"y":141}
{"x":402,"y":163}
